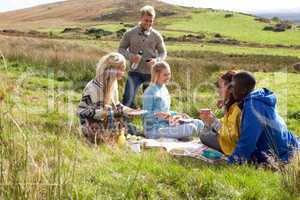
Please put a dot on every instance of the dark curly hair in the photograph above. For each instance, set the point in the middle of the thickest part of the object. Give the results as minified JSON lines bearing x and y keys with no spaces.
{"x":244,"y":83}
{"x":227,"y":78}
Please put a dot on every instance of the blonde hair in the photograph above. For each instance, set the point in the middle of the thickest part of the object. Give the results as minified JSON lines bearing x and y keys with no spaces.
{"x":149,"y":10}
{"x":157,"y":68}
{"x":106,"y":65}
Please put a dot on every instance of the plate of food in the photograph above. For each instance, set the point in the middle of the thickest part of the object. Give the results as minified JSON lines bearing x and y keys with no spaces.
{"x":185,"y":120}
{"x":136,"y":112}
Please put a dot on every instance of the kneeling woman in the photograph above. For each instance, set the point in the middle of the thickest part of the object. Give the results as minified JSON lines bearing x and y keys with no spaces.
{"x":160,"y":121}
{"x":100,"y":96}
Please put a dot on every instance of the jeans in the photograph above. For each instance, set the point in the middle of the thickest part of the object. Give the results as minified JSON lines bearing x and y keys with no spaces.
{"x":182,"y":131}
{"x":134,"y":81}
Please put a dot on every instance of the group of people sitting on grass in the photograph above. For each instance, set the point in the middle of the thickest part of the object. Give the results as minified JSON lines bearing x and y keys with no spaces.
{"x":250,"y":130}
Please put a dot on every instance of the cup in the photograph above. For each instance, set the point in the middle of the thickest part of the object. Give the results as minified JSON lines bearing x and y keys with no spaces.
{"x":204,"y":111}
{"x":135,"y":147}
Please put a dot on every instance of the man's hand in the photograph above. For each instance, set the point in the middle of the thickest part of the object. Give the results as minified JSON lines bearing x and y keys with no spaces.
{"x":107,"y":107}
{"x":150,"y":62}
{"x":135,"y":58}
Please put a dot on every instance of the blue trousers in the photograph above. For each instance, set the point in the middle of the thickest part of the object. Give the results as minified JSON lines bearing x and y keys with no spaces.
{"x":134,"y":81}
{"x":182,"y":131}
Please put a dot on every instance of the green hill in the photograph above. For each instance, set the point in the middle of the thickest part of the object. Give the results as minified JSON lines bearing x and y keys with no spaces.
{"x":172,"y":20}
{"x":239,"y":26}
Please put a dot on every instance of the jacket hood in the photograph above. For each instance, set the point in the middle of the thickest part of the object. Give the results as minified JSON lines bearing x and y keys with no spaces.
{"x":264,"y":95}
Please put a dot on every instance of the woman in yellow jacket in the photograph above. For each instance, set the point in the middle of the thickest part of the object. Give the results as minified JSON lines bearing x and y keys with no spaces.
{"x":222,"y":134}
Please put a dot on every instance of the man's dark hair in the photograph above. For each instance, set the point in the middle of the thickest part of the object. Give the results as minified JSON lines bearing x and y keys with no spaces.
{"x":244,"y":83}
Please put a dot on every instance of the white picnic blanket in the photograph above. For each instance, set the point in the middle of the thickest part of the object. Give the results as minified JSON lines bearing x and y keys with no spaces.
{"x":193,"y":149}
{"x":168,"y":144}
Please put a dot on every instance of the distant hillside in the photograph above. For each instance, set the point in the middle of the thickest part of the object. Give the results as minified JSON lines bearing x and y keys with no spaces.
{"x":214,"y":26}
{"x":75,"y":11}
{"x":292,"y":15}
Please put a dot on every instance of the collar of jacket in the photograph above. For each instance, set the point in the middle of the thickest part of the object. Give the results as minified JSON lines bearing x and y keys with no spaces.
{"x":142,"y":32}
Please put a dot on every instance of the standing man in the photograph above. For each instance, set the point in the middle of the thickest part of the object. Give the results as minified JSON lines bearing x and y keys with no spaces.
{"x":143,"y":47}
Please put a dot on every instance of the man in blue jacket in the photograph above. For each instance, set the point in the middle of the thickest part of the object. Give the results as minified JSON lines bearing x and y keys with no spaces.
{"x":264,"y":134}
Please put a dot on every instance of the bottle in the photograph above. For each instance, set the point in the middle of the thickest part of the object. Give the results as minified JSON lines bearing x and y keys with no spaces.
{"x":135,"y":65}
{"x":110,"y":119}
{"x":121,"y":138}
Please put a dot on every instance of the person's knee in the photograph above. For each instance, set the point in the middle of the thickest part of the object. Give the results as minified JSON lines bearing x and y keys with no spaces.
{"x":189,"y":129}
{"x":204,"y":134}
{"x":193,"y":127}
{"x":199,"y":125}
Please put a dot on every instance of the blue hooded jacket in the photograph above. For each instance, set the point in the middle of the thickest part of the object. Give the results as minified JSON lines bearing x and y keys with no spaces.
{"x":263,"y":131}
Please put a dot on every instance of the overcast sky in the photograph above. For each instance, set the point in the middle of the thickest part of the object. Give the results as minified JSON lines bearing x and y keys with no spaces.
{"x":234,"y":5}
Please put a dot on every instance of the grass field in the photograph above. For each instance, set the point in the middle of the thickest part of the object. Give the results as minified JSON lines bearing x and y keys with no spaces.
{"x":234,"y":50}
{"x":202,"y":47}
{"x":240,"y":27}
{"x":48,"y":159}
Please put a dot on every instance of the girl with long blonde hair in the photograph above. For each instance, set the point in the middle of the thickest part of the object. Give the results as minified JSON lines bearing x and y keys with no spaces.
{"x":100,"y":95}
{"x":110,"y":69}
